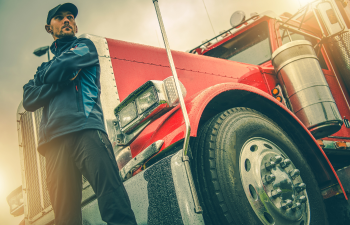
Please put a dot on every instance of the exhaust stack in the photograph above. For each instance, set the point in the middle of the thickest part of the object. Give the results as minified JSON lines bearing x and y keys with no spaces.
{"x":306,"y":88}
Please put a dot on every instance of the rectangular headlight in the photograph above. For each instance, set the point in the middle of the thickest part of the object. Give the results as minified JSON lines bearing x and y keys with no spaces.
{"x":15,"y":201}
{"x":146,"y":100}
{"x":127,"y":114}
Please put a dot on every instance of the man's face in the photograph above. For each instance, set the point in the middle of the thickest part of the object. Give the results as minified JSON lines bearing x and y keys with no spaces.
{"x":62,"y":25}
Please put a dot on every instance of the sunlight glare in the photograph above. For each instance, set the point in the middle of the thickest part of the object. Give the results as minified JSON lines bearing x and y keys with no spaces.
{"x":1,"y":184}
{"x":304,"y":2}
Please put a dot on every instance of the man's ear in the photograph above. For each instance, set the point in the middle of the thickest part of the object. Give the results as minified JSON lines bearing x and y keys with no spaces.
{"x":48,"y":29}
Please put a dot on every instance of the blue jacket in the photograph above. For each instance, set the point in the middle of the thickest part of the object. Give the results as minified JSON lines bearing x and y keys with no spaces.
{"x":68,"y":87}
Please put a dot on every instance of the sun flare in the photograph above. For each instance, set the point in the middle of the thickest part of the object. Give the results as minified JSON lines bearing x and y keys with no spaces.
{"x":304,"y":2}
{"x":1,"y":184}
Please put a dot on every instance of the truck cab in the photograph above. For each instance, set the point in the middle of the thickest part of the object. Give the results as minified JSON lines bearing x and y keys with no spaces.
{"x":268,"y":104}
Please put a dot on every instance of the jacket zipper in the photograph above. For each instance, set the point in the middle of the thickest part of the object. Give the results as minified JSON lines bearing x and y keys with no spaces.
{"x":77,"y":96}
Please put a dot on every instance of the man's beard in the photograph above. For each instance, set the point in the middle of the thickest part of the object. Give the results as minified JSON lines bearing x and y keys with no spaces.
{"x":62,"y":34}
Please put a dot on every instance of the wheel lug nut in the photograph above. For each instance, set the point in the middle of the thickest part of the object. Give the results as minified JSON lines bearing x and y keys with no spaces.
{"x":276,"y":193}
{"x":286,"y":204}
{"x":270,"y":165}
{"x":276,"y":159}
{"x":300,"y":187}
{"x":294,"y":173}
{"x":296,"y":206}
{"x":285,"y":163}
{"x":270,"y":178}
{"x":302,"y":199}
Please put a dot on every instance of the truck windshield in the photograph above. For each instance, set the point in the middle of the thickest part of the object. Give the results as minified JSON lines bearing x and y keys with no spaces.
{"x":252,"y":46}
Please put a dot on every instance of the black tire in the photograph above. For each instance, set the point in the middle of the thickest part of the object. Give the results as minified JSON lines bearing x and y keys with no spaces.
{"x":216,"y":169}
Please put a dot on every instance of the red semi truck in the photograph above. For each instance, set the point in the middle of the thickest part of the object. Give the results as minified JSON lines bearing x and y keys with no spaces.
{"x":268,"y":105}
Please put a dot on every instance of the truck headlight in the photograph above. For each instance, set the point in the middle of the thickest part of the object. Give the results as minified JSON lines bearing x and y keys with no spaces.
{"x":128,"y":114}
{"x":148,"y":101}
{"x":15,"y":201}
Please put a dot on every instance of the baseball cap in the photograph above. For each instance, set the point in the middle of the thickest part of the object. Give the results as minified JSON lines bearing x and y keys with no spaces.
{"x":66,"y":6}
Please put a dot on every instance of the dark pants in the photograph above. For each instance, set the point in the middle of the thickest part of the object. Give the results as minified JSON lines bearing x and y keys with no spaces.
{"x":87,"y":152}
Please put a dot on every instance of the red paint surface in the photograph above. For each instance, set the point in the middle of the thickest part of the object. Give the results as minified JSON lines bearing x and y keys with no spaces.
{"x":135,"y":64}
{"x":204,"y":78}
{"x":171,"y":127}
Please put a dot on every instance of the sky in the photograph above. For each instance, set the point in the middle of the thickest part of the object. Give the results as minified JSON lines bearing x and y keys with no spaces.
{"x":22,"y":30}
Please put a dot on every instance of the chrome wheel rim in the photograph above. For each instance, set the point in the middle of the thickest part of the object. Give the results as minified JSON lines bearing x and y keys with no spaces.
{"x":272,"y":184}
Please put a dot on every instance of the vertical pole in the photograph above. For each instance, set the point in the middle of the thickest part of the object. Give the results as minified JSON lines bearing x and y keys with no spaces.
{"x":185,"y":158}
{"x":176,"y":79}
{"x":290,"y":38}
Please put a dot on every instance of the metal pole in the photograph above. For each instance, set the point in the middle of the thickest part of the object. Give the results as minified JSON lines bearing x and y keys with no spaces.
{"x":185,"y":158}
{"x":176,"y":79}
{"x":290,"y":38}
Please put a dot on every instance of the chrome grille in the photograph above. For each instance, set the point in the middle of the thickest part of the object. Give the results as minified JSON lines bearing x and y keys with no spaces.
{"x":343,"y":44}
{"x":30,"y":166}
{"x":46,"y":197}
{"x":36,"y":202}
{"x":37,"y":115}
{"x":340,"y":48}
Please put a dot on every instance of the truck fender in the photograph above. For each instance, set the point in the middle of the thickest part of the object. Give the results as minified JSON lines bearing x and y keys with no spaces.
{"x":200,"y":107}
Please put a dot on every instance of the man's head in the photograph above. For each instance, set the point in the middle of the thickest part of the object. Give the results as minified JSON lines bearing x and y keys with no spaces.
{"x":61,"y":21}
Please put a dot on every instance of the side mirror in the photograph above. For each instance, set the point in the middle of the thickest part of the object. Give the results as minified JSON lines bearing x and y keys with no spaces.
{"x":329,"y":17}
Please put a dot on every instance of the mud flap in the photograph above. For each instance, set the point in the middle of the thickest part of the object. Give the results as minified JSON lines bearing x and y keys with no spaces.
{"x":344,"y":176}
{"x":159,"y":195}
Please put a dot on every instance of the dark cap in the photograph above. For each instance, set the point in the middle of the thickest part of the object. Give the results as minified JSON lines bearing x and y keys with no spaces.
{"x":66,"y":6}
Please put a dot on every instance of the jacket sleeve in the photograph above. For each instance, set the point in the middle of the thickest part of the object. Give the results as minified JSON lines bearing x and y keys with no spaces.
{"x":66,"y":66}
{"x":36,"y":94}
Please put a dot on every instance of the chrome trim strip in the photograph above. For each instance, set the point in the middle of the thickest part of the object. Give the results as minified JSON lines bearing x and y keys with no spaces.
{"x":20,"y":112}
{"x":140,"y":159}
{"x":38,"y":161}
{"x":109,"y":91}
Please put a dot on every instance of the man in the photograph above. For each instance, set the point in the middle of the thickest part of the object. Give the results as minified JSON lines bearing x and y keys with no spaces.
{"x":72,"y":134}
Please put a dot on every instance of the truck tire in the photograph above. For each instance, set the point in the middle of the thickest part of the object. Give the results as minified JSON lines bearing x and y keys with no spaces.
{"x":246,"y":171}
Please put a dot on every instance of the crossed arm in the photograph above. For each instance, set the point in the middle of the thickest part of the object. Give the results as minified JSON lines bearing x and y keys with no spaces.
{"x":52,"y":77}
